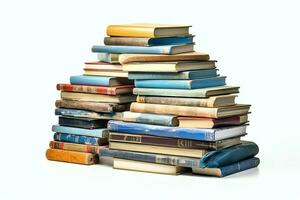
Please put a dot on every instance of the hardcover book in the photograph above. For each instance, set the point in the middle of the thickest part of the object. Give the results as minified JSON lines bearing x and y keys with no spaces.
{"x":88,"y":114}
{"x":86,"y":123}
{"x":99,"y":80}
{"x":219,"y":112}
{"x":102,"y":66}
{"x":99,"y":132}
{"x":79,"y":139}
{"x":177,"y":132}
{"x":112,"y":58}
{"x":87,"y":148}
{"x":89,"y":72}
{"x":72,"y":156}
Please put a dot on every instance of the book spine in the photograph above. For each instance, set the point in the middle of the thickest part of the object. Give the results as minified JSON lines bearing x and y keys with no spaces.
{"x":130,"y":31}
{"x":87,"y":89}
{"x":174,"y":110}
{"x":164,"y":120}
{"x":167,"y":49}
{"x":126,"y":41}
{"x":170,"y":92}
{"x":90,"y":80}
{"x":100,"y":98}
{"x":80,"y":123}
{"x":240,"y":166}
{"x":158,"y":76}
{"x":74,"y":147}
{"x":80,"y":131}
{"x":71,"y":156}
{"x":79,"y":139}
{"x":108,"y":57}
{"x":88,"y":114}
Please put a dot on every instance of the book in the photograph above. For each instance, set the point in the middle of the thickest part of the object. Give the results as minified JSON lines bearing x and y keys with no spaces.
{"x":86,"y":123}
{"x":177,"y":132}
{"x":102,"y":66}
{"x":87,"y":148}
{"x":191,"y":111}
{"x":92,"y":106}
{"x":202,"y":122}
{"x":88,"y":72}
{"x":145,"y":42}
{"x":202,"y":92}
{"x":184,"y":75}
{"x":181,"y":84}
{"x":109,"y":57}
{"x":146,"y":167}
{"x":175,"y":66}
{"x":148,"y":30}
{"x":99,"y":132}
{"x":164,"y":49}
{"x":114,"y":90}
{"x":211,"y":102}
{"x":72,"y":156}
{"x":88,"y":114}
{"x":165,"y":120}
{"x":190,"y":56}
{"x":99,"y":80}
{"x":172,"y":142}
{"x":228,"y":169}
{"x":80,"y":139}
{"x":76,"y":96}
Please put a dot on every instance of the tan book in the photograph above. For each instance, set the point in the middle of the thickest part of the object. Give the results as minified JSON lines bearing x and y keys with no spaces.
{"x":105,"y":73}
{"x":87,"y":148}
{"x":220,"y":112}
{"x":97,"y":97}
{"x":196,"y":153}
{"x":102,"y":66}
{"x":147,"y":167}
{"x":112,"y":58}
{"x":191,"y":56}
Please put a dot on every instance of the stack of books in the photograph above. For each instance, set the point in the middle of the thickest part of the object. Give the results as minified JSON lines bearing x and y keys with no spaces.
{"x":185,"y":116}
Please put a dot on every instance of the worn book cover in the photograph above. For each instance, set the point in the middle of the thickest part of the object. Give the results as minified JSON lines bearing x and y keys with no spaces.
{"x":87,"y":148}
{"x":99,"y":132}
{"x":88,"y":114}
{"x":99,"y":80}
{"x":87,"y":123}
{"x":80,"y":139}
{"x":112,"y":58}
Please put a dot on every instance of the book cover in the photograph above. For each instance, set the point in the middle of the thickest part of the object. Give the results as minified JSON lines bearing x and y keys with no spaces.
{"x":181,"y":84}
{"x":185,"y":75}
{"x":99,"y":80}
{"x":146,"y":118}
{"x":87,"y":148}
{"x":87,"y":123}
{"x":114,"y":73}
{"x":92,"y":106}
{"x":72,"y":156}
{"x":88,"y":114}
{"x":102,"y":66}
{"x":112,"y":58}
{"x":79,"y":139}
{"x":177,"y":132}
{"x":99,"y":132}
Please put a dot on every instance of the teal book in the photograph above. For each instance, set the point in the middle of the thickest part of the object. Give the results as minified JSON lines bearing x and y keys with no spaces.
{"x":101,"y":132}
{"x":99,"y":80}
{"x":181,"y":84}
{"x":185,"y":75}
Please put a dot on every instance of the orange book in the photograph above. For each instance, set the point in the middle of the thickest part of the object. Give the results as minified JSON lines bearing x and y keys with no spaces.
{"x":72,"y":156}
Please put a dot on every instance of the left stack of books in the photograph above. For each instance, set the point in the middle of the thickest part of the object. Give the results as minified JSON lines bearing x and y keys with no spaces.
{"x":86,"y":105}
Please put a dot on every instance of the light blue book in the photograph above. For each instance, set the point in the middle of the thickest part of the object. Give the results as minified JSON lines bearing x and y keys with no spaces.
{"x":181,"y":84}
{"x":99,"y":80}
{"x":185,"y":75}
{"x":88,"y":114}
{"x":165,"y":49}
{"x":100,"y":132}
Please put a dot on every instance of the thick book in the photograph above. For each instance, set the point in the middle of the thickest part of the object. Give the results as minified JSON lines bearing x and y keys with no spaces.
{"x":92,"y":106}
{"x":175,"y":66}
{"x":177,"y":132}
{"x":147,"y":118}
{"x":181,"y":84}
{"x":195,"y":153}
{"x":165,"y":49}
{"x":203,"y":92}
{"x":147,"y":167}
{"x":88,"y":114}
{"x":114,"y":90}
{"x":99,"y":132}
{"x":72,"y":156}
{"x":79,"y":139}
{"x":87,"y":148}
{"x":172,"y":142}
{"x":102,"y":66}
{"x":112,"y":58}
{"x":214,"y":101}
{"x":228,"y":169}
{"x":145,"y":42}
{"x":191,"y":111}
{"x":87,"y":123}
{"x":203,"y":122}
{"x":190,"y":56}
{"x":185,"y":75}
{"x":77,"y":96}
{"x":148,"y":30}
{"x":99,"y":80}
{"x":89,"y":72}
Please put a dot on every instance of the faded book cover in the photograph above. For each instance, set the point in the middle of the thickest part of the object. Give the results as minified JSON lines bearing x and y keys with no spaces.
{"x":87,"y":148}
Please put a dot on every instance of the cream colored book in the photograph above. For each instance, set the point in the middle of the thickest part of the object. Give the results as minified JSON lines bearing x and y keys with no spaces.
{"x":97,"y":97}
{"x":147,"y":167}
{"x":102,"y":66}
{"x":105,"y":73}
{"x":112,"y":58}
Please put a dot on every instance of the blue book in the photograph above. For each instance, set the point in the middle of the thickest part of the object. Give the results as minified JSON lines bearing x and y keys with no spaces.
{"x":181,"y":84}
{"x":185,"y":75}
{"x":165,"y":49}
{"x":88,"y":114}
{"x":79,"y":139}
{"x":99,"y":80}
{"x":177,"y":132}
{"x":100,"y":132}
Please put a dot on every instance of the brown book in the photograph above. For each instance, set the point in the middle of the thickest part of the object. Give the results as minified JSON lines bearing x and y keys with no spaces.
{"x":92,"y":106}
{"x":172,"y":142}
{"x":201,"y":122}
{"x":76,"y":96}
{"x":87,"y":148}
{"x":72,"y":156}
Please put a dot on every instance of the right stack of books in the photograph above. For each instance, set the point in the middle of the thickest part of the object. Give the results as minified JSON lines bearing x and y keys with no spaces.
{"x":185,"y":116}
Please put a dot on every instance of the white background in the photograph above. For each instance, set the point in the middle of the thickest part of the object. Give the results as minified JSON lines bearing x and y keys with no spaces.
{"x":44,"y":42}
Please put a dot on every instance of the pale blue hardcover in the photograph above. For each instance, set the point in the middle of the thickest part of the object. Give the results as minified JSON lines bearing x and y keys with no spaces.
{"x":90,"y":80}
{"x":101,"y":132}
